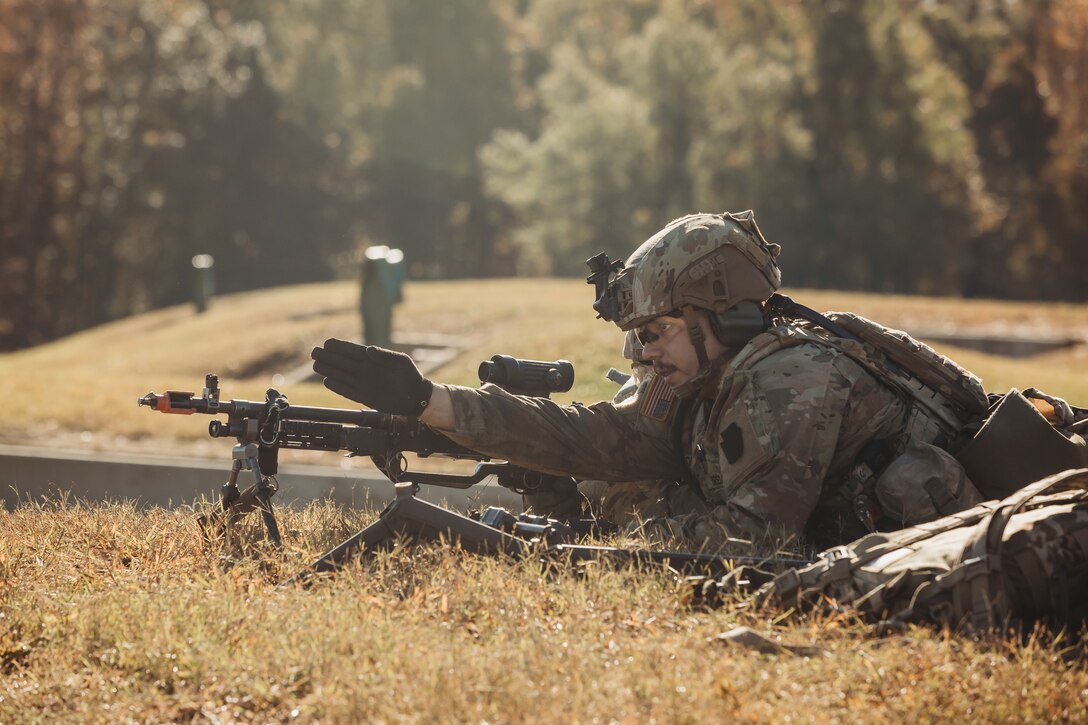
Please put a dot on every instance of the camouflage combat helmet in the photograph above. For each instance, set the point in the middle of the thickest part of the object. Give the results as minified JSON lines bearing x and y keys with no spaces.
{"x":715,"y":262}
{"x":707,"y":261}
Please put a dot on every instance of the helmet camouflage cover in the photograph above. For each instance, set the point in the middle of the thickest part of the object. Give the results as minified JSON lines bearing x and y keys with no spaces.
{"x":708,"y":261}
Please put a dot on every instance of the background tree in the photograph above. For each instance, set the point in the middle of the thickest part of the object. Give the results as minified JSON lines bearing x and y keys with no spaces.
{"x":93,"y":91}
{"x":891,"y":158}
{"x":576,"y":186}
{"x":931,"y":148}
{"x":406,"y":92}
{"x":1024,"y":67}
{"x":756,"y":152}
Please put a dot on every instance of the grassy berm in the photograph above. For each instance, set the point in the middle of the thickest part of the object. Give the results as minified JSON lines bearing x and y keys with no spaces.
{"x":112,"y":613}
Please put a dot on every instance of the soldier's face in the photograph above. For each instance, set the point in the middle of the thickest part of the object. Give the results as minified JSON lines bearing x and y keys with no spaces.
{"x":667,"y":345}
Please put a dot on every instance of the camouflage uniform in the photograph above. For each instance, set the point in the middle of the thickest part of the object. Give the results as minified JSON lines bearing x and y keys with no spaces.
{"x":765,"y":440}
{"x":765,"y":454}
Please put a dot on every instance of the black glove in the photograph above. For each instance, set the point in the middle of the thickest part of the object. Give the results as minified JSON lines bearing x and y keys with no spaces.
{"x":378,"y":378}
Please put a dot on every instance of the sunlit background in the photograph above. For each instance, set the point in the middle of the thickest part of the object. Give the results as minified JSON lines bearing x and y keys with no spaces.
{"x":919,"y":147}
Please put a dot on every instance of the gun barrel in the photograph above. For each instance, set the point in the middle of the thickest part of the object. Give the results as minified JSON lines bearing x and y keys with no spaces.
{"x":184,"y":403}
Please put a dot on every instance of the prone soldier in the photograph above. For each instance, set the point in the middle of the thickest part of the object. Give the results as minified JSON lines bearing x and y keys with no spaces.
{"x":758,"y":423}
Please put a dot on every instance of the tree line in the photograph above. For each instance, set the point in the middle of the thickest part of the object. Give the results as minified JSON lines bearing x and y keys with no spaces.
{"x":935,"y":148}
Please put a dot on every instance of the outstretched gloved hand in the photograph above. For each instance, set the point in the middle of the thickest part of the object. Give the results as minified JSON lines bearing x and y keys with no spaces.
{"x":381,"y":379}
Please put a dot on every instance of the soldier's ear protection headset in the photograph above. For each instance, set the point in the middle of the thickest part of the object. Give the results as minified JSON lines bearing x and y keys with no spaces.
{"x":739,"y":324}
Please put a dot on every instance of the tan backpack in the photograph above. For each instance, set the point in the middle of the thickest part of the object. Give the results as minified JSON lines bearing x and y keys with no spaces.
{"x":943,"y":396}
{"x":1002,"y":442}
{"x":1010,"y":562}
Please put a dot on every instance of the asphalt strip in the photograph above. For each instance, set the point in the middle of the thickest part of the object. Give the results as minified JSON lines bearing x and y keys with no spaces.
{"x":35,"y":474}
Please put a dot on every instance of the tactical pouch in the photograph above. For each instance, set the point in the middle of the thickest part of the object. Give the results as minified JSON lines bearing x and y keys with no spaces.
{"x":922,"y":484}
{"x":1017,"y":445}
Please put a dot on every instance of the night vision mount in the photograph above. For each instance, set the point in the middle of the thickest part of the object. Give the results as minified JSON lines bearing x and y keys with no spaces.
{"x":602,"y":270}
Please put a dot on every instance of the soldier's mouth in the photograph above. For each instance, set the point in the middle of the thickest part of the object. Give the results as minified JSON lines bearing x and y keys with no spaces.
{"x":663,"y":371}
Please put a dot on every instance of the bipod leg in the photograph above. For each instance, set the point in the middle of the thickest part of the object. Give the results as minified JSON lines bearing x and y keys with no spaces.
{"x":264,"y":490}
{"x":261,"y":491}
{"x":225,"y":514}
{"x":235,"y":503}
{"x":410,"y":517}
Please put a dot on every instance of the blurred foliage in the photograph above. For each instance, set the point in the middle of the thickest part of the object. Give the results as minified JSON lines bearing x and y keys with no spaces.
{"x":888,"y":146}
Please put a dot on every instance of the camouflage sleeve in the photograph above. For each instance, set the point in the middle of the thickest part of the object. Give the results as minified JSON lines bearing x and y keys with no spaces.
{"x":608,"y":441}
{"x":800,"y":416}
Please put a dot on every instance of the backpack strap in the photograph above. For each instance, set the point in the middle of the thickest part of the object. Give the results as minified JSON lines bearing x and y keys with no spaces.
{"x":781,"y":303}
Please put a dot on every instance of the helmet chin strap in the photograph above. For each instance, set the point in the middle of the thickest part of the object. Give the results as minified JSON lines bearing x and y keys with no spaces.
{"x":695,"y":332}
{"x":707,"y":367}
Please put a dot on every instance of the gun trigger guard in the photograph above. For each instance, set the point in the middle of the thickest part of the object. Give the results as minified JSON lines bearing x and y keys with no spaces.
{"x":401,"y":465}
{"x":393,"y":464}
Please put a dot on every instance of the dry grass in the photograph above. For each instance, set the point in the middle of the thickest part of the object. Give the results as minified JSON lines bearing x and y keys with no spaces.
{"x":108,"y":614}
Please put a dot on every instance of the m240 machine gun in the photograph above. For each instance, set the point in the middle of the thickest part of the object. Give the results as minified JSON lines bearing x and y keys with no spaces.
{"x":262,"y":429}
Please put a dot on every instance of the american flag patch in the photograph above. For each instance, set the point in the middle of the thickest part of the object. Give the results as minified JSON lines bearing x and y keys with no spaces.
{"x":658,"y":400}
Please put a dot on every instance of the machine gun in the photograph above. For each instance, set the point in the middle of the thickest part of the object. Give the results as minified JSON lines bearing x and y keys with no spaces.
{"x":262,"y":429}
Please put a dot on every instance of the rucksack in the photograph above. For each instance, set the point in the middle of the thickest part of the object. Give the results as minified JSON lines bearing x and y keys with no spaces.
{"x":1002,"y":442}
{"x":1015,"y":561}
{"x":1016,"y":443}
{"x":943,"y":396}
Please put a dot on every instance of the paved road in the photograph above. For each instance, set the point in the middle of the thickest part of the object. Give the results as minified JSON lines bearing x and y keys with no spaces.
{"x":27,"y":472}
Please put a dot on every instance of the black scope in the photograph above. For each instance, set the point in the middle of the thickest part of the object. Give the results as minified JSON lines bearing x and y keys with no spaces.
{"x":536,"y":378}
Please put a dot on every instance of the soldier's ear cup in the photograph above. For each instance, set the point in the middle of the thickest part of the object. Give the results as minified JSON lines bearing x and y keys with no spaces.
{"x":739,"y":324}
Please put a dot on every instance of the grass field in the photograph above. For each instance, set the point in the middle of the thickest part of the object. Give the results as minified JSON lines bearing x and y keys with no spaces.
{"x":109,"y":613}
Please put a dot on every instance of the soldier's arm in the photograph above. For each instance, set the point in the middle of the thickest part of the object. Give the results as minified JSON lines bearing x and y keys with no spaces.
{"x":439,"y":410}
{"x":614,"y":442}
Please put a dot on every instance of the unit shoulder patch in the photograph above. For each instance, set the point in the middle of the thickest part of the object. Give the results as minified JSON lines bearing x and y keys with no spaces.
{"x":732,"y":443}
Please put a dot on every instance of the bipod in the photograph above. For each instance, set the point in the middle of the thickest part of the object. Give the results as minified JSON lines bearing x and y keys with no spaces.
{"x":497,"y":531}
{"x":410,"y":517}
{"x":236,"y":503}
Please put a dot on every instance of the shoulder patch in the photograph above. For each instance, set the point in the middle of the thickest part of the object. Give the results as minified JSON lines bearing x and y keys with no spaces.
{"x":658,"y":400}
{"x":733,"y":443}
